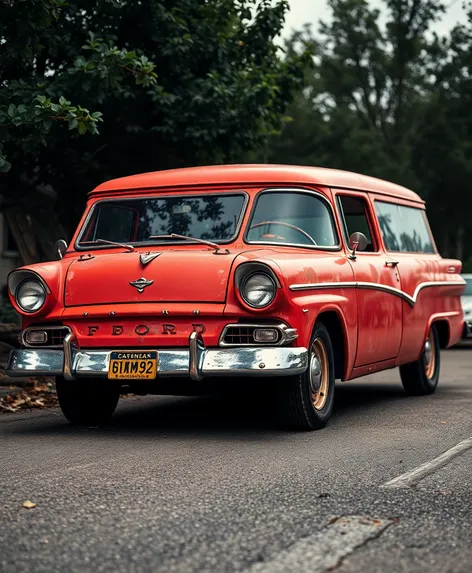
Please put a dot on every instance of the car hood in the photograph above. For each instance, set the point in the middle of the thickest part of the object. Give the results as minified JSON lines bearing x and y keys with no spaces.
{"x":174,"y":276}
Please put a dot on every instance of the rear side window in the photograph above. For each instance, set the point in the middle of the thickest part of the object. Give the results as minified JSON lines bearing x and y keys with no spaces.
{"x":404,"y":229}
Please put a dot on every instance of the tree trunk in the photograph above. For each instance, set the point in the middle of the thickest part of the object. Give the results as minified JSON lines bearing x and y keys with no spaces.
{"x":35,"y":232}
{"x":22,"y":230}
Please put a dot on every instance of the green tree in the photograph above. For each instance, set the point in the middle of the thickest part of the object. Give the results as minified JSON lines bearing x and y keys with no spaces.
{"x":368,"y":81}
{"x":443,"y":151}
{"x":392,"y":101}
{"x":32,"y":87}
{"x":221,"y":89}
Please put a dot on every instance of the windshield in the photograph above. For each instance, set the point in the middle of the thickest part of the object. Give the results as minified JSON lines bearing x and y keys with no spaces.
{"x":291,"y":217}
{"x":134,"y":221}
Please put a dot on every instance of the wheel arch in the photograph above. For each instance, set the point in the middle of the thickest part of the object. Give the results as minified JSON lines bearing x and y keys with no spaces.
{"x":444,"y":330}
{"x":334,"y":323}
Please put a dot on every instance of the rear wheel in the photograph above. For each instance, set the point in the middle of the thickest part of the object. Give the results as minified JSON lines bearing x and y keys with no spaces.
{"x":306,"y":401}
{"x":421,"y":377}
{"x":90,"y":402}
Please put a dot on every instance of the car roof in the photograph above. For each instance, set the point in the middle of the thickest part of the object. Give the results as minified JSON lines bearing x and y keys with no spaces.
{"x":253,"y":174}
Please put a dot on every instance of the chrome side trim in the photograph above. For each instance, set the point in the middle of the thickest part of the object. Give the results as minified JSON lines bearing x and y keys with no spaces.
{"x":322,"y":286}
{"x":287,"y":334}
{"x":376,"y":286}
{"x":278,"y":361}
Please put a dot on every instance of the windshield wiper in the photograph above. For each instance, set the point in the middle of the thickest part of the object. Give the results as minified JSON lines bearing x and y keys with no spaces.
{"x":129,"y":248}
{"x":175,"y":236}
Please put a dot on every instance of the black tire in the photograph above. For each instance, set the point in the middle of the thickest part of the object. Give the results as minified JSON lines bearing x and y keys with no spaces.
{"x":421,"y":377}
{"x":295,"y":397}
{"x":87,"y":402}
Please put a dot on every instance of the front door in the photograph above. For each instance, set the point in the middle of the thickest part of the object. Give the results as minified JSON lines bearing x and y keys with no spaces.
{"x":379,"y":309}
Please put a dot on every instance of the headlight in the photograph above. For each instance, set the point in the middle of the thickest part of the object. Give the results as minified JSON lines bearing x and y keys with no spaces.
{"x":258,"y":290}
{"x":30,"y":295}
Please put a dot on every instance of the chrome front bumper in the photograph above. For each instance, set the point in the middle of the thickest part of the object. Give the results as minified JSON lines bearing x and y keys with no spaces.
{"x":195,"y":362}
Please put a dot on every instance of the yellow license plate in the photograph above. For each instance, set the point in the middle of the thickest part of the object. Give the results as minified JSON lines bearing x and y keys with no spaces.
{"x":133,"y":365}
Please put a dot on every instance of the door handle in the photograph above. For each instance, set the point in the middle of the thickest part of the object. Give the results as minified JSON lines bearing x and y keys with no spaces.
{"x":391,"y":263}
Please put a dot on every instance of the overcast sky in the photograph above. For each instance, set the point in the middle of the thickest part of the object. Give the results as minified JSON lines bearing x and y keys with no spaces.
{"x":303,"y":11}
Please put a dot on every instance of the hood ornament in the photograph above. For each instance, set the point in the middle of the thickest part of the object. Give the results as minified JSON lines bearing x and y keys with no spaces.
{"x":146,"y":258}
{"x":141,"y":284}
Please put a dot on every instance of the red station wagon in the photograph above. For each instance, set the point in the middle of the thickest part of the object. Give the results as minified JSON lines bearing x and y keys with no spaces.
{"x":293,"y":276}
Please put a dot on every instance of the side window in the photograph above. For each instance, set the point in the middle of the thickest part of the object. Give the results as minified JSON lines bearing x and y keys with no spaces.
{"x":404,"y":229}
{"x":356,"y":220}
{"x":292,"y":217}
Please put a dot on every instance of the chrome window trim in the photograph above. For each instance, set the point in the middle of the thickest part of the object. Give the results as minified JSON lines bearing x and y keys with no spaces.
{"x":242,"y":215}
{"x":44,"y":328}
{"x":410,"y":299}
{"x":301,"y":190}
{"x":287,"y":334}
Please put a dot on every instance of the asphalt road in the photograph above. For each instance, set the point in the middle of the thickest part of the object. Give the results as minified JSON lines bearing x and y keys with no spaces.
{"x":201,"y":485}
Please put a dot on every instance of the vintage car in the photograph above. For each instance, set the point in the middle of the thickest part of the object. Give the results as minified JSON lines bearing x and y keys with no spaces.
{"x":289,"y":277}
{"x":466,"y":300}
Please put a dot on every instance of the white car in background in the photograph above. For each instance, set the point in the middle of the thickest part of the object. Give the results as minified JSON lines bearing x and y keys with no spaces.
{"x":466,"y":300}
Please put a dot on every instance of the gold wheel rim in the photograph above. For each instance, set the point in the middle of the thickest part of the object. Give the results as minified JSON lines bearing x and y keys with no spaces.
{"x":429,"y":356}
{"x":319,"y":374}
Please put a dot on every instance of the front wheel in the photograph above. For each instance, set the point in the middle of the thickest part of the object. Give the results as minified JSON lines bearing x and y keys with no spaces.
{"x":421,"y":377}
{"x":306,"y":401}
{"x":87,"y":402}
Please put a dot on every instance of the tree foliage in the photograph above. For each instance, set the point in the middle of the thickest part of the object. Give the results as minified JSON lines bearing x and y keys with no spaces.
{"x":162,"y":83}
{"x":389,"y":98}
{"x":32,"y":84}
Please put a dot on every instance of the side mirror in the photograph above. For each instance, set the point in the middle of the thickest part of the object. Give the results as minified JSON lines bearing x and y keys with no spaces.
{"x":61,"y":248}
{"x":357,"y":242}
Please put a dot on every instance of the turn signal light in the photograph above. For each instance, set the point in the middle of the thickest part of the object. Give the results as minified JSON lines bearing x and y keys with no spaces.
{"x":36,"y":337}
{"x":266,"y":335}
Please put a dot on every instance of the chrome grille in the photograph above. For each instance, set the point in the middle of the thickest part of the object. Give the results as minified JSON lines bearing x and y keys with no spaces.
{"x":240,"y":335}
{"x":243,"y":335}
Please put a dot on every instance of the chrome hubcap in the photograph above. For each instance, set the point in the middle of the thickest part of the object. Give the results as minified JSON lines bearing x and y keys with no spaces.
{"x":429,"y":356}
{"x":315,"y":374}
{"x":427,"y":351}
{"x":318,"y":374}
